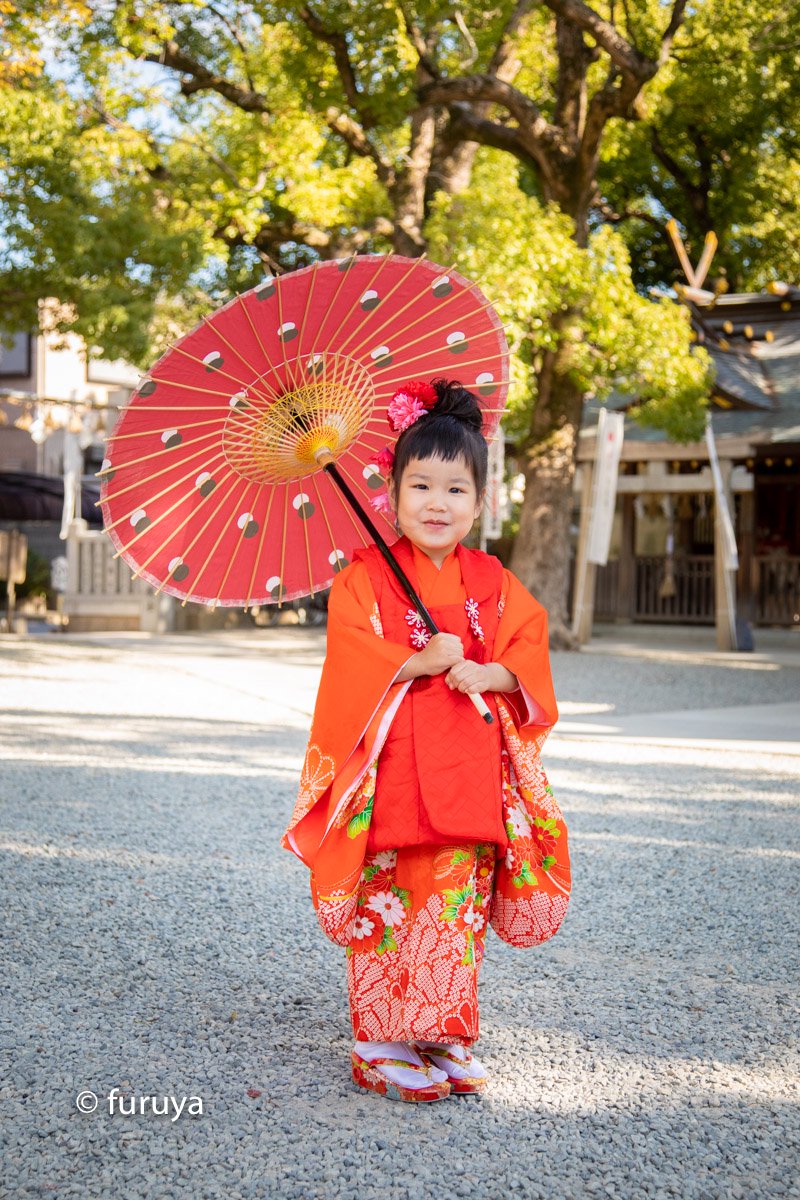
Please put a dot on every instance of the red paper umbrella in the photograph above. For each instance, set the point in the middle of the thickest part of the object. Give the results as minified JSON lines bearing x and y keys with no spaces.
{"x":215,"y":487}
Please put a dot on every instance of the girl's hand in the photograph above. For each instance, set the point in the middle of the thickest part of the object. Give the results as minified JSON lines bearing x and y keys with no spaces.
{"x":443,"y":651}
{"x":469,"y":676}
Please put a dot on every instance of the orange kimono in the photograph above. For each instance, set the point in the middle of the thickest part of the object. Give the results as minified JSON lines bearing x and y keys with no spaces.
{"x":421,"y":824}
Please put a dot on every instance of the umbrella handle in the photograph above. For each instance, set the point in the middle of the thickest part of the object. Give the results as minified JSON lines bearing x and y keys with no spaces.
{"x":329,"y":466}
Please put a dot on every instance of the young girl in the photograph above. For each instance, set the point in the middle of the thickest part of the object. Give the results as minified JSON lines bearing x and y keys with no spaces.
{"x":421,"y":823}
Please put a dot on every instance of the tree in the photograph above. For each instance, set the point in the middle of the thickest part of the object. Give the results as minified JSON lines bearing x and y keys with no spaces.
{"x":715,"y":145}
{"x":299,"y":131}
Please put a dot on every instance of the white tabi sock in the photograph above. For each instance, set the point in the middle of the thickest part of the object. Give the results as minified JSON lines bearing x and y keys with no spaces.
{"x":407,"y":1079}
{"x":472,"y":1069}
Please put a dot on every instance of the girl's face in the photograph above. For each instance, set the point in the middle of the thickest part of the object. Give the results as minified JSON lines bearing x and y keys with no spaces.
{"x":436,"y":504}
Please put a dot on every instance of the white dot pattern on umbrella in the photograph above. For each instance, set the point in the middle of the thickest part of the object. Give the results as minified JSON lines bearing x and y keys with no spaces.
{"x":255,"y":414}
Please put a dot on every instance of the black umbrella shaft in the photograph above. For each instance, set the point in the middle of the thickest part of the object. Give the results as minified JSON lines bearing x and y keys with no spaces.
{"x":366,"y":520}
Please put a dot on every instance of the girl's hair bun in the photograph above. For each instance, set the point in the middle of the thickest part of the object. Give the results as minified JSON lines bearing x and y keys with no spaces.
{"x":455,"y":401}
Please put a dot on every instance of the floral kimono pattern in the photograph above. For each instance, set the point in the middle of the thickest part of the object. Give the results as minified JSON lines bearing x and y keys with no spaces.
{"x":414,"y":920}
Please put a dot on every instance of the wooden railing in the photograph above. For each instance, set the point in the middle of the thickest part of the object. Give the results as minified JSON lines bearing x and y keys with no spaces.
{"x":775,"y":588}
{"x":776,"y":585}
{"x":693,"y":601}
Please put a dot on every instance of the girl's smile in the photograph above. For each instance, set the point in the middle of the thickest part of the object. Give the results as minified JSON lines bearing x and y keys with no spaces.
{"x":436,"y":504}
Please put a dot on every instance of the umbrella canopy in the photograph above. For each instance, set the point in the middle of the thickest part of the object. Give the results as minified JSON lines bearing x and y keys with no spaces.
{"x":212,"y":489}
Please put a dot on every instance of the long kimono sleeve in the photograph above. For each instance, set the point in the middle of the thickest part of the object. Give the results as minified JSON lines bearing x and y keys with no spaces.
{"x":360,"y":664}
{"x":358,"y":685}
{"x":521,"y":645}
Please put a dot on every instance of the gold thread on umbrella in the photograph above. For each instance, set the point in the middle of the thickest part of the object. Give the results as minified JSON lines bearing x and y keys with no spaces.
{"x":330,"y":412}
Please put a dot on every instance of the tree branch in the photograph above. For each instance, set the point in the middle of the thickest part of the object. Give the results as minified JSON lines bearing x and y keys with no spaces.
{"x":203,"y":80}
{"x":237,"y":37}
{"x":338,"y":43}
{"x":620,"y":51}
{"x":423,"y":46}
{"x":474,"y":88}
{"x":353,"y":134}
{"x":675,"y":22}
{"x":503,"y":51}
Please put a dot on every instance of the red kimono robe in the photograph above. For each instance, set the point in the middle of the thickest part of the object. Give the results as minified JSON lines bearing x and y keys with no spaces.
{"x":421,"y":824}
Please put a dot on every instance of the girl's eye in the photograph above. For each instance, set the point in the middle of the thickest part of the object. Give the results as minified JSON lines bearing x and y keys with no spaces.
{"x":456,"y":489}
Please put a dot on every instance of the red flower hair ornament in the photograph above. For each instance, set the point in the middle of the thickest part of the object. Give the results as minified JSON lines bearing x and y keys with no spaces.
{"x":409,"y":403}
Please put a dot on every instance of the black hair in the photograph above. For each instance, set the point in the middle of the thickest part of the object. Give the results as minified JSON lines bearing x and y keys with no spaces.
{"x":450,"y":429}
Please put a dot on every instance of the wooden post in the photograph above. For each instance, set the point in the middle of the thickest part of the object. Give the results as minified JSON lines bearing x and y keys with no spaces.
{"x":583,"y":602}
{"x":724,"y":580}
{"x":746,"y":589}
{"x":626,"y":577}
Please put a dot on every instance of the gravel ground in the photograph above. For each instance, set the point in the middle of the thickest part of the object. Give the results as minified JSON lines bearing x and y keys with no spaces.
{"x":158,"y":941}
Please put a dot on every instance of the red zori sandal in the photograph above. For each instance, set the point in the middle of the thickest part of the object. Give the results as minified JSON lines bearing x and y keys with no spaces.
{"x":366,"y":1074}
{"x":465,"y":1075}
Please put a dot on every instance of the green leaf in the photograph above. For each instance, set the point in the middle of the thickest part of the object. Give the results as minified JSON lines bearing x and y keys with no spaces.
{"x":387,"y":941}
{"x":548,"y":861}
{"x":361,"y":820}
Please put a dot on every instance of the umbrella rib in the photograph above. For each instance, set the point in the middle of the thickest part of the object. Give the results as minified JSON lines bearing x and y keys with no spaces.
{"x":359,"y":528}
{"x":375,"y":332}
{"x":186,"y":549}
{"x":359,"y":293}
{"x":356,"y":485}
{"x":307,"y":309}
{"x":212,"y":551}
{"x":164,"y":471}
{"x":439,"y":329}
{"x":467,"y":363}
{"x":289,"y":373}
{"x":149,"y":432}
{"x":324,"y":511}
{"x":308,"y":553}
{"x":192,"y":358}
{"x":331,"y":308}
{"x":158,"y":495}
{"x":153,"y":525}
{"x":257,"y":558}
{"x":235,"y":551}
{"x":173,"y":383}
{"x":283,"y":541}
{"x":147,"y":457}
{"x":267,"y":359}
{"x":251,"y":386}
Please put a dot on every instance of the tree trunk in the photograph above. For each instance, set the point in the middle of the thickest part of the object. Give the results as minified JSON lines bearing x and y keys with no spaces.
{"x":541,"y":556}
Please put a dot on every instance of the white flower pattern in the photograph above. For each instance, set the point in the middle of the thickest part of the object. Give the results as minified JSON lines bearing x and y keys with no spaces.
{"x":389,"y":907}
{"x":419,"y":636}
{"x":472,"y":611}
